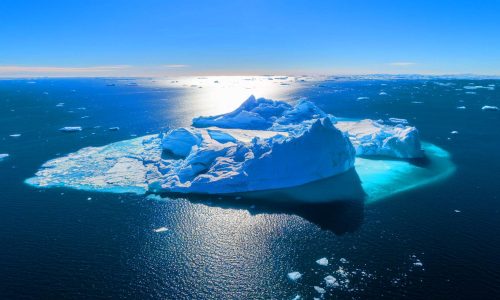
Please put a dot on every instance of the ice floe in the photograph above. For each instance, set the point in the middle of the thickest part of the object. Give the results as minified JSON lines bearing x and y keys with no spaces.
{"x":70,"y":128}
{"x":294,"y":275}
{"x":319,"y":289}
{"x":160,"y":229}
{"x":489,"y":107}
{"x":331,"y":281}
{"x":322,"y":261}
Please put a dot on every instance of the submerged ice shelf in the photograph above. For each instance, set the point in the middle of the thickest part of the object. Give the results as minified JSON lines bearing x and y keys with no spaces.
{"x":263,"y":145}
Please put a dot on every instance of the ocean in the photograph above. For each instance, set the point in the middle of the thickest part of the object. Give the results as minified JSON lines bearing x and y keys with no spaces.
{"x":436,"y":241}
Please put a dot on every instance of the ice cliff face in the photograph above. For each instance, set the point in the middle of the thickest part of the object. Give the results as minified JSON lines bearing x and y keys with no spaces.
{"x":221,"y":161}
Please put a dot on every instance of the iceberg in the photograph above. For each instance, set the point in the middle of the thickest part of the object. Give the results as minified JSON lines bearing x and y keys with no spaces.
{"x":263,"y":145}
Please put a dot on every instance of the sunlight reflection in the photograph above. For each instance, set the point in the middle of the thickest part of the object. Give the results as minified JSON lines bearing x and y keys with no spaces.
{"x":219,"y":94}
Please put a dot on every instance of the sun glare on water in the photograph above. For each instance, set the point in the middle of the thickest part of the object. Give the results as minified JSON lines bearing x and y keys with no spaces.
{"x":215,"y":95}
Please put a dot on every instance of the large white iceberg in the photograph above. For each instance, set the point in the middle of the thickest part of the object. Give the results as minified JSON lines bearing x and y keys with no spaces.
{"x":263,"y":145}
{"x":367,"y":136}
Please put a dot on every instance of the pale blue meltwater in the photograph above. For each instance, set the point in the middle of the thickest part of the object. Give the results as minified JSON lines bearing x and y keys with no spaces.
{"x":383,"y":178}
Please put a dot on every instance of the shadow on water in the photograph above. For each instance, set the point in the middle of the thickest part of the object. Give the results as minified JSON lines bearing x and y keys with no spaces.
{"x":335,"y":203}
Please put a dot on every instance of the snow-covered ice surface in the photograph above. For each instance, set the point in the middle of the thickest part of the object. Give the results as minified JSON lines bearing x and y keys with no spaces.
{"x":263,"y":145}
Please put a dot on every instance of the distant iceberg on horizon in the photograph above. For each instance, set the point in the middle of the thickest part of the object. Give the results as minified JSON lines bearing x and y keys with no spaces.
{"x":262,"y":145}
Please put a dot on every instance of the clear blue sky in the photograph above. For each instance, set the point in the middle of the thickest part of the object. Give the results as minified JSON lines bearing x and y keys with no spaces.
{"x":148,"y":37}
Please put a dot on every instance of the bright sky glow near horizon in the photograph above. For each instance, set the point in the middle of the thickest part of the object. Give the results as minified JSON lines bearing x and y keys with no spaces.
{"x":169,"y":38}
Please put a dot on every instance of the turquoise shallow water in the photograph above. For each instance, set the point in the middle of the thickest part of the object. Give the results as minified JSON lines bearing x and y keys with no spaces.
{"x":80,"y":244}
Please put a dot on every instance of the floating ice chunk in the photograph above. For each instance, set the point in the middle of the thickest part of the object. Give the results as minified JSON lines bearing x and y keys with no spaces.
{"x":374,"y":138}
{"x":457,"y":211}
{"x":3,"y":156}
{"x":71,"y":128}
{"x":476,"y":87}
{"x":382,"y":93}
{"x":344,"y":261}
{"x":319,"y":289}
{"x":418,"y":263}
{"x":297,"y":297}
{"x":180,"y":141}
{"x":294,"y":276}
{"x":398,"y":121}
{"x":488,"y":107}
{"x":15,"y":135}
{"x":60,"y":104}
{"x":322,"y":261}
{"x":470,"y":93}
{"x":161,"y":229}
{"x":114,"y":128}
{"x":331,"y":281}
{"x":454,"y":132}
{"x":363,"y":98}
{"x":461,"y":107}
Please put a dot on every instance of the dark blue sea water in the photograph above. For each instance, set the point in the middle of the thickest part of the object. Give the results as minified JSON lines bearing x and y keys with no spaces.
{"x":60,"y":243}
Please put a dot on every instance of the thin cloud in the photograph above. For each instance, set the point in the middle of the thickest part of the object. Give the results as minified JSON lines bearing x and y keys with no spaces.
{"x":402,"y":64}
{"x":57,"y":70}
{"x":175,"y":66}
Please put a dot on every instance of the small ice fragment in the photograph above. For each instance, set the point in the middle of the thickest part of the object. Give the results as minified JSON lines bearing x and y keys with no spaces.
{"x":418,"y":263}
{"x":331,"y":281}
{"x":89,"y":198}
{"x":297,"y":297}
{"x":3,"y":156}
{"x":398,"y":121}
{"x":161,"y":229}
{"x":382,"y":93}
{"x":344,"y":261}
{"x":461,"y":107}
{"x":454,"y":132}
{"x":15,"y":135}
{"x":322,"y":261}
{"x":60,"y":104}
{"x":363,"y":98}
{"x":71,"y":128}
{"x":488,"y":107}
{"x":457,"y":211}
{"x":319,"y":289}
{"x":114,"y":128}
{"x":294,"y":275}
